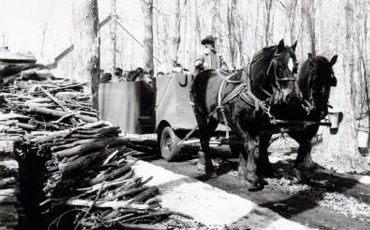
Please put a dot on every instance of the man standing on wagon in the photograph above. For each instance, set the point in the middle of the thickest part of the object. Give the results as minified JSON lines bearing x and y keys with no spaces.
{"x":210,"y":59}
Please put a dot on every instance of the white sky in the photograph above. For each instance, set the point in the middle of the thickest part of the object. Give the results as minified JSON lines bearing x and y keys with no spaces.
{"x":22,"y":23}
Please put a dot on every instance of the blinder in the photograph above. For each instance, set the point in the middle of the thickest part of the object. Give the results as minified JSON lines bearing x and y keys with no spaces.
{"x":274,"y":64}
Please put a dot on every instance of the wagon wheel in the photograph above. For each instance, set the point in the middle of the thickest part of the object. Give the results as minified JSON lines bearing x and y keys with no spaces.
{"x":169,"y":144}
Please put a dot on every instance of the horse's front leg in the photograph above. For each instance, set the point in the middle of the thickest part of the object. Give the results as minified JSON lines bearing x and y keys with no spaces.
{"x":264,"y":166}
{"x":304,"y":165}
{"x":304,"y":160}
{"x":247,"y":163}
{"x":247,"y":160}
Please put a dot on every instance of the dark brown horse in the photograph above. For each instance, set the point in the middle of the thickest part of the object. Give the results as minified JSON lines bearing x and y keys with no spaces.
{"x":315,"y":78}
{"x":242,"y":103}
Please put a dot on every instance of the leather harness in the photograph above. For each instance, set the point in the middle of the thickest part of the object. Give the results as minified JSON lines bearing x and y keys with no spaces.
{"x":244,"y":91}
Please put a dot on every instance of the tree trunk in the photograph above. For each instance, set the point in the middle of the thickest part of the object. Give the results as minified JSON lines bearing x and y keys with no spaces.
{"x":86,"y":45}
{"x":147,"y":8}
{"x":113,"y":33}
{"x":268,"y":31}
{"x":290,"y":7}
{"x":308,"y":9}
{"x":176,"y":37}
{"x":231,"y":29}
{"x":340,"y":152}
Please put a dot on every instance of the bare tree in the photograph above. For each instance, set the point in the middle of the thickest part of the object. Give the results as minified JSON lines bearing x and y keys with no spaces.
{"x":113,"y":32}
{"x":361,"y":39}
{"x":198,"y":33}
{"x":231,"y":29}
{"x":308,"y":10}
{"x":176,"y":38}
{"x":268,"y":28}
{"x":341,"y":150}
{"x":147,"y":8}
{"x":43,"y":22}
{"x":290,"y":8}
{"x":86,"y":45}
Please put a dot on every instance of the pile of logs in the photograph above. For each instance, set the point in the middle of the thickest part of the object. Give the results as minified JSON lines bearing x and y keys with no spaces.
{"x":9,"y":171}
{"x":87,"y":167}
{"x":98,"y":174}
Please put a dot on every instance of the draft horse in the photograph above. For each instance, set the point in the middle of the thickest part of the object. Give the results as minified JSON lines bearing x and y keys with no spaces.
{"x":242,"y":103}
{"x":315,"y":79}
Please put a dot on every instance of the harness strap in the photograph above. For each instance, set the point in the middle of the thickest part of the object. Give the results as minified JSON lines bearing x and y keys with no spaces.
{"x":249,"y":98}
{"x":244,"y":91}
{"x":221,"y":102}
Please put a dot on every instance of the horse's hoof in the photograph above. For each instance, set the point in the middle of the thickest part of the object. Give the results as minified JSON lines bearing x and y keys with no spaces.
{"x":309,"y":166}
{"x":201,"y":167}
{"x":267,"y":172}
{"x":300,"y":175}
{"x":254,"y":183}
{"x":327,"y":184}
{"x":210,"y":170}
{"x":256,"y":186}
{"x":211,"y":174}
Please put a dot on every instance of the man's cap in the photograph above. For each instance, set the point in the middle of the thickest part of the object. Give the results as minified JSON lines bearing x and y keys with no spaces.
{"x":208,"y":40}
{"x":118,"y":69}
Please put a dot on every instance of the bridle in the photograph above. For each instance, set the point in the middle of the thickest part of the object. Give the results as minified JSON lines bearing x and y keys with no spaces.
{"x":324,"y":94}
{"x":274,"y":66}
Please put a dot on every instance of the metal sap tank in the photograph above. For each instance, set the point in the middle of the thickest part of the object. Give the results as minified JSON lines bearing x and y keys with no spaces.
{"x":123,"y":103}
{"x":173,"y":101}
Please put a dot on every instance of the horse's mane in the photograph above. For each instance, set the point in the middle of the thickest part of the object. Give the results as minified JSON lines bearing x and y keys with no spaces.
{"x":258,"y":67}
{"x":265,"y":53}
{"x":303,"y":76}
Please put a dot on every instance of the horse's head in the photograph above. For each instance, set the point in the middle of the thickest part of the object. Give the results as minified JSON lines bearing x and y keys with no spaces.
{"x":275,"y":70}
{"x":282,"y":71}
{"x":315,"y":79}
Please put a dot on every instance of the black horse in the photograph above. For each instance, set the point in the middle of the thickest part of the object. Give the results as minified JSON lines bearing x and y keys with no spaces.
{"x":242,"y":103}
{"x":315,"y":78}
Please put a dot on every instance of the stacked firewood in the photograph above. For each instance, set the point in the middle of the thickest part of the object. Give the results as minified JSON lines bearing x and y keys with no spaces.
{"x":87,"y":167}
{"x":98,"y":174}
{"x":9,"y":170}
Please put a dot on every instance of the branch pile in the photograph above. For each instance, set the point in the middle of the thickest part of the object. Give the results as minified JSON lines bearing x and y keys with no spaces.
{"x":87,"y":166}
